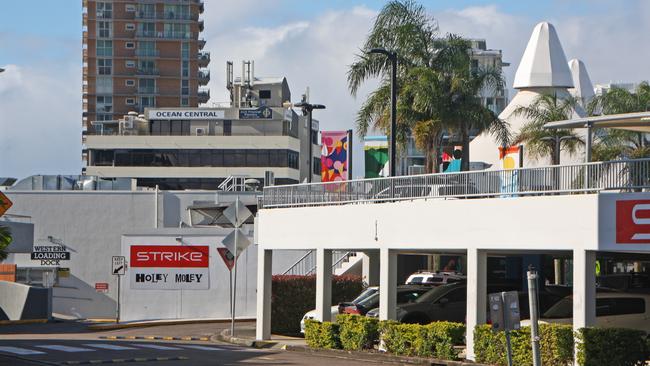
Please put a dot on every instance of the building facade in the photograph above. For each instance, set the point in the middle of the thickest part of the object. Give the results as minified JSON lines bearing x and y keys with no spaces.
{"x":200,"y":148}
{"x":141,"y":54}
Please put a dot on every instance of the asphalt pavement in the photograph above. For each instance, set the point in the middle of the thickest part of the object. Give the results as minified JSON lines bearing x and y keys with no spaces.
{"x":70,"y":343}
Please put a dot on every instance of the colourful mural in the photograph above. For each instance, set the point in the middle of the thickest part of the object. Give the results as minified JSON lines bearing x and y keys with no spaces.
{"x":335,"y":156}
{"x":375,"y":156}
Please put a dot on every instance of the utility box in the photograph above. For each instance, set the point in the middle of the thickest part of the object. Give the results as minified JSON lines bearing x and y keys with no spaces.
{"x":504,"y":311}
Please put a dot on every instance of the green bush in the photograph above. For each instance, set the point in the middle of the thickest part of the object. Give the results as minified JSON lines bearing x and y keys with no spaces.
{"x":357,"y":332}
{"x":293,"y":296}
{"x":436,"y":339}
{"x":322,"y":335}
{"x":556,"y":345}
{"x":611,"y":346}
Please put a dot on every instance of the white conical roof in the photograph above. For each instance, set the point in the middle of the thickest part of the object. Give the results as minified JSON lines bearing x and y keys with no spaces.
{"x":544,"y":63}
{"x":582,"y":86}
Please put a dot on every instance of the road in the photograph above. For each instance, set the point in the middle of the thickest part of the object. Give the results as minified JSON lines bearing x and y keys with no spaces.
{"x":71,"y":343}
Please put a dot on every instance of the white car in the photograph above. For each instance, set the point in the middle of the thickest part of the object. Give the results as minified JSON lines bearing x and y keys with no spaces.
{"x":434,"y":278}
{"x":335,"y":309}
{"x":613,"y":310}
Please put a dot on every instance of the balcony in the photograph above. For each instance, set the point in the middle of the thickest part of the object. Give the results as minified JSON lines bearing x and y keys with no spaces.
{"x":203,"y":95}
{"x":164,"y":35}
{"x":201,"y":25}
{"x":201,"y":43}
{"x":147,"y":90}
{"x":203,"y":58}
{"x":144,"y":52}
{"x":204,"y":77}
{"x":144,"y":15}
{"x":154,"y":72}
{"x":165,"y":16}
{"x":621,"y":176}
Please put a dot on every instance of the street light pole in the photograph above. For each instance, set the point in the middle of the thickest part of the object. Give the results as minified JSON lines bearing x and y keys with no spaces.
{"x":392,"y":56}
{"x":308,"y":108}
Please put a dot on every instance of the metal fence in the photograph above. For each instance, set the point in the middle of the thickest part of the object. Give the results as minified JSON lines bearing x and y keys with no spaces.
{"x":621,"y":175}
{"x":306,"y":265}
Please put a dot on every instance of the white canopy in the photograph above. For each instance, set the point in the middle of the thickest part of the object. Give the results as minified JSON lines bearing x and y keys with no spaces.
{"x":638,"y":122}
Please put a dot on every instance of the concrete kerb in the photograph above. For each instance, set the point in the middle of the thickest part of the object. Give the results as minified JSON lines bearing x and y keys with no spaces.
{"x":155,"y":323}
{"x":335,"y":353}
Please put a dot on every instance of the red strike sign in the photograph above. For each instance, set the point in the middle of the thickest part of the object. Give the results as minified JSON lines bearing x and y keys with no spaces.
{"x":633,"y":222}
{"x":174,"y":256}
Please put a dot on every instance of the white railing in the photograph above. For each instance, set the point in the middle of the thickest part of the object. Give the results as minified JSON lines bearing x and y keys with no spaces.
{"x":621,"y":175}
{"x":306,"y":265}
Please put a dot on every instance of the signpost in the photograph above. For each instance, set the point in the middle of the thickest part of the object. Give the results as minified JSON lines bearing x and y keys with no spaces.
{"x":236,"y":242}
{"x":505,"y":315}
{"x":118,"y":269}
{"x":229,"y":261}
{"x":532,"y":301}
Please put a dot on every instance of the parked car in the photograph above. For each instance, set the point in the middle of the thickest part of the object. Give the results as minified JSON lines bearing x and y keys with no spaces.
{"x":613,"y":310}
{"x":434,"y":278}
{"x":335,"y":309}
{"x":405,"y":294}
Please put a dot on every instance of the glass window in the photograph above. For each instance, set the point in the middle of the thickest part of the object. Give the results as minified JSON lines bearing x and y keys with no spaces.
{"x":104,"y":66}
{"x":104,"y":48}
{"x":129,"y":7}
{"x":217,"y":158}
{"x":129,"y":63}
{"x":129,"y":26}
{"x":251,"y":158}
{"x":173,"y":11}
{"x":147,"y":102}
{"x":130,"y":101}
{"x":104,"y":85}
{"x":229,"y":158}
{"x":104,"y":29}
{"x":240,"y":157}
{"x":129,"y":45}
{"x":104,"y":104}
{"x":147,"y":29}
{"x":227,"y":127}
{"x":185,"y":50}
{"x":185,"y":87}
{"x":177,"y":30}
{"x":265,"y":94}
{"x":185,"y":69}
{"x":206,"y":157}
{"x":316,"y":167}
{"x":195,"y":157}
{"x":104,"y":10}
{"x":130,"y":82}
{"x":147,"y":86}
{"x":104,"y":116}
{"x":185,"y":102}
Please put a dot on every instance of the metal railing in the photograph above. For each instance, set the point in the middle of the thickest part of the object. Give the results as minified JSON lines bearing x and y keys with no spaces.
{"x":621,"y":175}
{"x":306,"y":265}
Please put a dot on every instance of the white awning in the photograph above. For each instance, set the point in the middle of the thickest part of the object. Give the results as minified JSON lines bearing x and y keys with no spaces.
{"x":638,"y":122}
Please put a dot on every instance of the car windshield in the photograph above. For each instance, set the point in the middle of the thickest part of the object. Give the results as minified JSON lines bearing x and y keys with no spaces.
{"x":366,"y":293}
{"x":416,"y":279}
{"x":370,"y":302}
{"x":433,"y":294}
{"x":404,"y":295}
{"x":561,"y":309}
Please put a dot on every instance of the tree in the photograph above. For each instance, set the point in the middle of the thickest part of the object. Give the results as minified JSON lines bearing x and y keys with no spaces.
{"x":5,"y":240}
{"x":541,"y":142}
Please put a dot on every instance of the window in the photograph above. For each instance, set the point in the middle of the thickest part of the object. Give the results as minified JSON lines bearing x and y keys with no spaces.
{"x":104,"y":116}
{"x":129,"y":63}
{"x":129,"y":45}
{"x":104,"y":10}
{"x":129,"y":26}
{"x":227,"y":127}
{"x":104,"y":66}
{"x":265,"y":94}
{"x":185,"y":102}
{"x":147,"y":49}
{"x":130,"y":101}
{"x":129,"y":82}
{"x":316,"y":167}
{"x":147,"y":29}
{"x":129,"y":8}
{"x":104,"y":85}
{"x":185,"y":69}
{"x":147,"y":102}
{"x":185,"y":87}
{"x":147,"y":67}
{"x":185,"y":50}
{"x":104,"y":29}
{"x":177,"y":11}
{"x":147,"y":11}
{"x":104,"y":104}
{"x":177,"y":30}
{"x":147,"y":86}
{"x":104,"y":48}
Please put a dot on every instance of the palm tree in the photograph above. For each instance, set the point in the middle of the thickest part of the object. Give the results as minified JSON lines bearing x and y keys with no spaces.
{"x":541,"y":142}
{"x":5,"y":240}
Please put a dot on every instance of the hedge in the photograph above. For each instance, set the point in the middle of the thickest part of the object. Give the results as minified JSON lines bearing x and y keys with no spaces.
{"x":611,"y":346}
{"x":293,"y":296}
{"x":357,"y":332}
{"x":556,"y":345}
{"x":436,"y":339}
{"x":322,"y":335}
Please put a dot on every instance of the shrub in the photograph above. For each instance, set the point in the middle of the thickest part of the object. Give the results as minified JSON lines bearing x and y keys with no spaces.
{"x":357,"y":332}
{"x":436,"y":339}
{"x":293,"y":296}
{"x":322,"y":335}
{"x":556,"y":345}
{"x":611,"y":346}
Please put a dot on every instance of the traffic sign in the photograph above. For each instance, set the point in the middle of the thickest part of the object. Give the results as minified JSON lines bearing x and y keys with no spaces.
{"x":119,"y":265}
{"x":101,"y":286}
{"x":237,"y":213}
{"x":227,"y":257}
{"x":5,"y":203}
{"x":236,"y":241}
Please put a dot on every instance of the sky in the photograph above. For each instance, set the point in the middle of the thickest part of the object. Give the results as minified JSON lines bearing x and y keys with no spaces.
{"x":310,"y":42}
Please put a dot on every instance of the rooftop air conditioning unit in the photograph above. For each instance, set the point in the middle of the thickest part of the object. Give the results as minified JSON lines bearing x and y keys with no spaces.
{"x":200,"y":131}
{"x":128,"y":122}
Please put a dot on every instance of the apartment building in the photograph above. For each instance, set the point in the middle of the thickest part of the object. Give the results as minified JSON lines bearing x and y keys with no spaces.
{"x":256,"y":136}
{"x":141,"y":54}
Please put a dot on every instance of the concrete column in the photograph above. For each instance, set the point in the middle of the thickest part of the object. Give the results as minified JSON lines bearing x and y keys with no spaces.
{"x":264,"y":275}
{"x":584,"y":289}
{"x":387,"y":284}
{"x":370,"y":271}
{"x":558,"y":269}
{"x":476,"y":295}
{"x":324,"y":284}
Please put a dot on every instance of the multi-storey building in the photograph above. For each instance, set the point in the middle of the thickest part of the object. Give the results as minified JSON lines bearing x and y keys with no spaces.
{"x":200,"y":148}
{"x":141,"y":54}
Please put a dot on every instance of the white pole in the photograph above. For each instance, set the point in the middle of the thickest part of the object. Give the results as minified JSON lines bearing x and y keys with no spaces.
{"x":234,"y":291}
